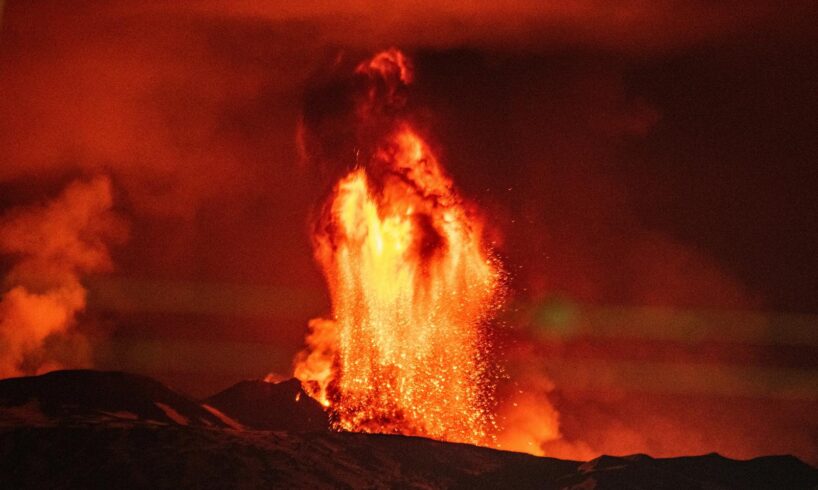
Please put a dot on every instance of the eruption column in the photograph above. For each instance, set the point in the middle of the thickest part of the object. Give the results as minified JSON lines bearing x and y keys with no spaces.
{"x":411,"y":286}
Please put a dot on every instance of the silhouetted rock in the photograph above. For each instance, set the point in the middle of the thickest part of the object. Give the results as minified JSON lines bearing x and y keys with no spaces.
{"x":261,"y":405}
{"x":710,"y":471}
{"x":61,"y":397}
{"x":88,"y":429}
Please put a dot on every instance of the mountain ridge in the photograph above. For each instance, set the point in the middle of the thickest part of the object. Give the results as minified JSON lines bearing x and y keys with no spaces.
{"x":87,"y":437}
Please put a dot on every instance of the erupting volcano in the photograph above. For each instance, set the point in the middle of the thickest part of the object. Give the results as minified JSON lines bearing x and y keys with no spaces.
{"x":411,"y":282}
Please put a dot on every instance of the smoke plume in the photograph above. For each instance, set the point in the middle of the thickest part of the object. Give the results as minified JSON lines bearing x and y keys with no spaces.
{"x":52,"y":246}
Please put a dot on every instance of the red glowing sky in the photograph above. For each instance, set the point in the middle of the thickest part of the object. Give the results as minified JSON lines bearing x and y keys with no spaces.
{"x":647,"y":170}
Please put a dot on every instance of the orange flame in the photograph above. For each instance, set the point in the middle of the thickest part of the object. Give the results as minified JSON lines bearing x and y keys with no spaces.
{"x":411,"y":285}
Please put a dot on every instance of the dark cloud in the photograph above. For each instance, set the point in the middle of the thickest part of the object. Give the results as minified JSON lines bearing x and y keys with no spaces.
{"x":635,"y":26}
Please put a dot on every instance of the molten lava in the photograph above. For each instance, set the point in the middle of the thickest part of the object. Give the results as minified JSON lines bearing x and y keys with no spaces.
{"x":411,"y":286}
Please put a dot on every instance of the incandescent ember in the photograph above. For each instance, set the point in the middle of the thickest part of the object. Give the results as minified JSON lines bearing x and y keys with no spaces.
{"x":411,"y":282}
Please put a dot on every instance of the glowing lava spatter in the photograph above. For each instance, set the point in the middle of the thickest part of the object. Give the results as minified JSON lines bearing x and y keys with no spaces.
{"x":411,"y":286}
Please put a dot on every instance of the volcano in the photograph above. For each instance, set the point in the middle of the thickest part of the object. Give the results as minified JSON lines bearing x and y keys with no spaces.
{"x":86,"y":429}
{"x":271,"y":406}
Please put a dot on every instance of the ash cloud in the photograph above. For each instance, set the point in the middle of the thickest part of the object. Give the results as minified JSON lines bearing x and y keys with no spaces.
{"x":634,"y":26}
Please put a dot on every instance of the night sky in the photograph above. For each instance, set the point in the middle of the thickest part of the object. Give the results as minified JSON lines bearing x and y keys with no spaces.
{"x":647,"y":171}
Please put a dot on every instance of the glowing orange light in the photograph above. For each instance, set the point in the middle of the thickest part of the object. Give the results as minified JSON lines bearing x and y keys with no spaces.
{"x":411,"y":285}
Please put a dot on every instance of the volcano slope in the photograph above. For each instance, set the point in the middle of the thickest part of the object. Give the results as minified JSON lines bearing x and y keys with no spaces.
{"x":90,"y":429}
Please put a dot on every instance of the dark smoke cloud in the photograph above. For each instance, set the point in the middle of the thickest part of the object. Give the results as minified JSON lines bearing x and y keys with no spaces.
{"x":636,"y":26}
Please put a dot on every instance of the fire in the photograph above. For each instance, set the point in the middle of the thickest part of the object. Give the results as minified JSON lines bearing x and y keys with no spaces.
{"x":411,"y":286}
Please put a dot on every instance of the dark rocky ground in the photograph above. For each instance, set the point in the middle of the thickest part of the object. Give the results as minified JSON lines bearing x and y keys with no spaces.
{"x":89,"y":429}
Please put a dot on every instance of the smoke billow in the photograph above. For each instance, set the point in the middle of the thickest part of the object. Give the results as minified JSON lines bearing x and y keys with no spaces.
{"x":52,"y":246}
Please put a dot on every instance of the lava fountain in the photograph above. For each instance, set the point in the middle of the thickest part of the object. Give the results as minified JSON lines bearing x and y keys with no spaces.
{"x":411,"y":282}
